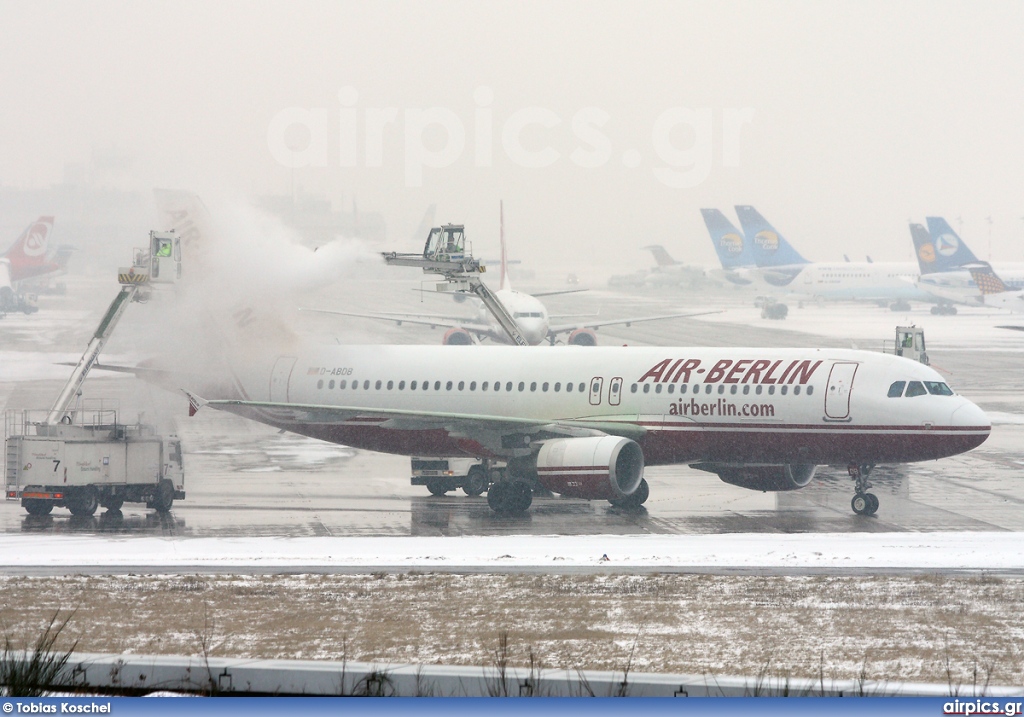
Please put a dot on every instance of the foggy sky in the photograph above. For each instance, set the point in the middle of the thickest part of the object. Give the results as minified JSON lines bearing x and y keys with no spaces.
{"x":864,"y":115}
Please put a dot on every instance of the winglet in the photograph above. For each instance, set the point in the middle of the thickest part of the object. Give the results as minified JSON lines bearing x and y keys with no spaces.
{"x":194,"y":402}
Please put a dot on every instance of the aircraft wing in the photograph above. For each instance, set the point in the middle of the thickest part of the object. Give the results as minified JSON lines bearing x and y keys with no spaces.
{"x":556,"y":292}
{"x":431,"y":320}
{"x":566,"y":328}
{"x":487,"y":429}
{"x":473,"y":326}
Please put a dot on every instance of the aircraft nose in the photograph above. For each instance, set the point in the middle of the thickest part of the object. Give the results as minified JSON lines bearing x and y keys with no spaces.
{"x":970,"y":416}
{"x":973,"y":424}
{"x":533,"y":331}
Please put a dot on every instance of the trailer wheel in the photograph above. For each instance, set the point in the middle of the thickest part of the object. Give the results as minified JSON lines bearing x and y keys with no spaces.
{"x":476,"y":481}
{"x":83,"y":502}
{"x":34,"y":506}
{"x":113,"y":503}
{"x":163,"y":496}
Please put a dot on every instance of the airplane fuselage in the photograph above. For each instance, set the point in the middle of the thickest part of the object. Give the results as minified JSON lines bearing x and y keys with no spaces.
{"x":863,"y":281}
{"x":529,"y":312}
{"x":682,"y":405}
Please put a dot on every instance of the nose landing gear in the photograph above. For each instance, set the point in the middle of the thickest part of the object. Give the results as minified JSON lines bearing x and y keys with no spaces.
{"x":863,"y":503}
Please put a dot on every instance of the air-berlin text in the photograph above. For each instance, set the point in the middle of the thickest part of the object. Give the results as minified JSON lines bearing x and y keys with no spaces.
{"x":763,"y":371}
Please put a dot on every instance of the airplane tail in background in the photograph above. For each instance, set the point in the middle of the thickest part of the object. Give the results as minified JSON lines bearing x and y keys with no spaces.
{"x":947,"y":250}
{"x":733,"y":251}
{"x":27,"y":256}
{"x":768,"y":247}
{"x":661,"y":257}
{"x":426,"y":224}
{"x":505,"y":283}
{"x":923,"y":249}
{"x":987,"y":280}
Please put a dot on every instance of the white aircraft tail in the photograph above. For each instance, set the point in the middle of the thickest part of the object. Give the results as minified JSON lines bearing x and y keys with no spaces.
{"x":505,"y":283}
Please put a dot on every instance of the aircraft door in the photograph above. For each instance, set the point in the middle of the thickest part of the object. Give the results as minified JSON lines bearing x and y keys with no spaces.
{"x":837,"y":394}
{"x":614,"y":391}
{"x":279,"y":379}
{"x":596,"y":384}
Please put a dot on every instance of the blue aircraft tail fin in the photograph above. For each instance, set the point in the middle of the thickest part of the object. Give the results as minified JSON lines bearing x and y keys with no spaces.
{"x":732,"y":249}
{"x":768,"y":246}
{"x":948,"y":249}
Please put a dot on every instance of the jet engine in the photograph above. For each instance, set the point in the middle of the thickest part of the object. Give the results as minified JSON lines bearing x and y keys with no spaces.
{"x":457,"y":337}
{"x":600,"y":467}
{"x":582,"y":337}
{"x":765,"y":478}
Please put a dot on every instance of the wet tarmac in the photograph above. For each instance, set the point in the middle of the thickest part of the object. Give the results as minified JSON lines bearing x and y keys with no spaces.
{"x":245,"y":479}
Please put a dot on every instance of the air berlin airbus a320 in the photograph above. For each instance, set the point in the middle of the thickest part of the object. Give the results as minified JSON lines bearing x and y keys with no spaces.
{"x":584,"y":422}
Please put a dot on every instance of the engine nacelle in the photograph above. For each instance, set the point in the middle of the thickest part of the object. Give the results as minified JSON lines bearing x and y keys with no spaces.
{"x":457,"y":337}
{"x":601,"y":467}
{"x":773,"y":478}
{"x":582,"y":337}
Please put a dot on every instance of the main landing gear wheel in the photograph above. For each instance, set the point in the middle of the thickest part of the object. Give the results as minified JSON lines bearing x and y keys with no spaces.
{"x":510,"y":497}
{"x":476,"y":482}
{"x":636,"y":499}
{"x":863,"y":503}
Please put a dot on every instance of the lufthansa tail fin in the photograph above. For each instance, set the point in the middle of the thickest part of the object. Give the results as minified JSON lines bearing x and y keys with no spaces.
{"x":769,"y":248}
{"x":733,"y":251}
{"x":923,"y":249}
{"x":948,"y":248}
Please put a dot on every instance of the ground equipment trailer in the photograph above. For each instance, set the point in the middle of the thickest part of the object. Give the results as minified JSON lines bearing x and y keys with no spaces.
{"x":441,"y":475}
{"x":80,"y":457}
{"x":90,"y":460}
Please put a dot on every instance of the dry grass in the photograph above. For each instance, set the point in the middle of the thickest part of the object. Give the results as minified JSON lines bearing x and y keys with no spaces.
{"x":950,"y":630}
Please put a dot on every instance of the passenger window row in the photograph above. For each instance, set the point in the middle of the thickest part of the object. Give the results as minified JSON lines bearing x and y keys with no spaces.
{"x":509,"y":386}
{"x":709,"y":388}
{"x":918,"y":388}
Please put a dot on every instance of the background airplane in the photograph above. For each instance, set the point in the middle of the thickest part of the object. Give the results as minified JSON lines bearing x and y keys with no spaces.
{"x":670,"y":272}
{"x":995,"y":293}
{"x":943,"y":258}
{"x":535,"y":322}
{"x":780,"y":265}
{"x":27,"y":260}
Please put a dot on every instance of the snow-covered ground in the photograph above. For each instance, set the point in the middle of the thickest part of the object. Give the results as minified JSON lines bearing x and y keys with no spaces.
{"x":884,"y":551}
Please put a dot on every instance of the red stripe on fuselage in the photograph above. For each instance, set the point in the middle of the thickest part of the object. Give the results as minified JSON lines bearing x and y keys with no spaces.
{"x":833,"y":444}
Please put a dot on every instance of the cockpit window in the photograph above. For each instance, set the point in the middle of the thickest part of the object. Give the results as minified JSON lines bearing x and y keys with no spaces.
{"x":896,"y":390}
{"x":915,"y":388}
{"x":938,"y":388}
